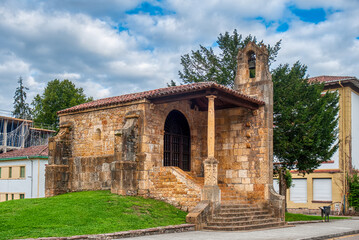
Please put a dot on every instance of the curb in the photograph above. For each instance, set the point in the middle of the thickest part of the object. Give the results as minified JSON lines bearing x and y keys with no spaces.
{"x":332,"y":235}
{"x":126,"y":234}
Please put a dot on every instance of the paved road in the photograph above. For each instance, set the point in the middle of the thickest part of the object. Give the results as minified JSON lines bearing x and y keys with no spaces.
{"x":349,"y":237}
{"x":304,"y":231}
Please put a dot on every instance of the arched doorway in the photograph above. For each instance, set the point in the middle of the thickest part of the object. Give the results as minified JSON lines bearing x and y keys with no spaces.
{"x":177,"y":141}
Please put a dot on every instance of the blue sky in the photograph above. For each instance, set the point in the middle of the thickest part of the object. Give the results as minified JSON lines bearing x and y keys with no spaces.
{"x":119,"y":46}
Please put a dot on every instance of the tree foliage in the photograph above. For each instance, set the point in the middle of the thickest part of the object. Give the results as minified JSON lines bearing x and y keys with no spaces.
{"x":204,"y":65}
{"x":57,"y":95}
{"x":305,"y":119}
{"x":21,"y":108}
{"x":353,"y":197}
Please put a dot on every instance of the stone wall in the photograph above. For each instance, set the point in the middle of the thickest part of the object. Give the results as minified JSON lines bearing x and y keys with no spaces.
{"x":240,"y":151}
{"x":81,"y":154}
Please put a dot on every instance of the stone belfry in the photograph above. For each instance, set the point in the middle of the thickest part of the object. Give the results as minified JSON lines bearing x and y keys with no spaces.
{"x":254,"y":79}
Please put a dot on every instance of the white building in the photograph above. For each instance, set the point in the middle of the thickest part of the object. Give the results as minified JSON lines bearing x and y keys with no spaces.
{"x":22,"y":173}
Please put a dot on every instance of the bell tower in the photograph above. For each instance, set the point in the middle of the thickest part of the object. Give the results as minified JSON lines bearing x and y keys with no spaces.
{"x":254,"y":79}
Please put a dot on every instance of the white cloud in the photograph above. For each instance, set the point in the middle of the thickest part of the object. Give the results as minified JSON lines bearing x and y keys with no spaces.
{"x":79,"y":40}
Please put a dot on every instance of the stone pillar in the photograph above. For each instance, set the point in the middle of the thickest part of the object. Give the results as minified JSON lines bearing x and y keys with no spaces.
{"x":211,"y":190}
{"x":124,"y":174}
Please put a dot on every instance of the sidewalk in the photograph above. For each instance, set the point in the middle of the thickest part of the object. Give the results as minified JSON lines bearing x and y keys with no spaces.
{"x":313,"y":231}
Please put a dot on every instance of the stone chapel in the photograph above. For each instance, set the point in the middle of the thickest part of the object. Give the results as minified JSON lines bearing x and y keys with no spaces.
{"x":201,"y":147}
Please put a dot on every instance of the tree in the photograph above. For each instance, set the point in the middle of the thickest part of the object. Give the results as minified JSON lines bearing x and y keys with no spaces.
{"x":205,"y":65}
{"x":21,"y":108}
{"x":305,"y":121}
{"x":57,"y":95}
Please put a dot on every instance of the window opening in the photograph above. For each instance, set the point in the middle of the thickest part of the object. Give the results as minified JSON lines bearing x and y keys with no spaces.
{"x":252,"y":64}
{"x":177,"y":141}
{"x":22,"y":171}
{"x":10,"y":172}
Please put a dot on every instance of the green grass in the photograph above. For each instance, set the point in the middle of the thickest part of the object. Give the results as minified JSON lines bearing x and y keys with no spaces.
{"x":83,"y":213}
{"x":291,"y":217}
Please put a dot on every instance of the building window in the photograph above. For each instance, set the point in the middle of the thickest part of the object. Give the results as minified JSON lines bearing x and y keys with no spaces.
{"x":10,"y":172}
{"x":298,"y":192}
{"x":6,"y":197}
{"x":22,"y":196}
{"x":0,"y":172}
{"x":22,"y":172}
{"x":12,"y":196}
{"x":322,"y":189}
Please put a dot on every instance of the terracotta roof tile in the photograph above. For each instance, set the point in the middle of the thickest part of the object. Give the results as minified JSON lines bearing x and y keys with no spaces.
{"x":329,"y":78}
{"x":161,"y":92}
{"x":41,"y":150}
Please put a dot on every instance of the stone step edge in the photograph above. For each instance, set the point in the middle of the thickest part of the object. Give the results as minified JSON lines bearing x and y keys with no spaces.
{"x":244,"y":227}
{"x":264,"y":216}
{"x":238,"y":214}
{"x":127,"y":234}
{"x":242,"y":223}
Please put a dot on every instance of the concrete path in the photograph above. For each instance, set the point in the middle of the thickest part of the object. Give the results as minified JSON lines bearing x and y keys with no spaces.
{"x":334,"y":228}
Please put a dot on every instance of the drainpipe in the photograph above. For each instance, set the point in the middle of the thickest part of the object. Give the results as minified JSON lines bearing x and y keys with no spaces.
{"x":343,"y":148}
{"x":32,"y":174}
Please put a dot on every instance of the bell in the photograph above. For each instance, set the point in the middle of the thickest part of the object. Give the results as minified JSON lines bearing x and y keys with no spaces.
{"x":252,"y":64}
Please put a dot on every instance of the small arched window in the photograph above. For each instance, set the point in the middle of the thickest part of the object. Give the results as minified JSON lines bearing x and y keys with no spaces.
{"x":98,"y":134}
{"x":252,"y":64}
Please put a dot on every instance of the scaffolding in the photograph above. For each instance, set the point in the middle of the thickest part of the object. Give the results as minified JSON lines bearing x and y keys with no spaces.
{"x":18,"y":133}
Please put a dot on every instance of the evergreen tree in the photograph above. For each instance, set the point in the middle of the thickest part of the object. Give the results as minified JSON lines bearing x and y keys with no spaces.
{"x":57,"y":95}
{"x":21,"y":108}
{"x":205,"y":65}
{"x":305,"y":119}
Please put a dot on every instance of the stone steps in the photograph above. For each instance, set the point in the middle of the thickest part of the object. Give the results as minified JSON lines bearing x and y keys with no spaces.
{"x":240,"y":217}
{"x":245,"y":227}
{"x":241,"y":223}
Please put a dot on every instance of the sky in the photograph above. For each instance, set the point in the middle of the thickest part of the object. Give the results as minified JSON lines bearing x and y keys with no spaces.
{"x":113,"y":47}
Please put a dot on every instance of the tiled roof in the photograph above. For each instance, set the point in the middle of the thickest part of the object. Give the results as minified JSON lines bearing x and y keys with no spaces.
{"x":41,"y":150}
{"x":336,"y":81}
{"x":161,"y":92}
{"x":326,"y":79}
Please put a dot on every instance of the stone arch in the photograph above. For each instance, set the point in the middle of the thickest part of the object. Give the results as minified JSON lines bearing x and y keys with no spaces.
{"x":177,"y":141}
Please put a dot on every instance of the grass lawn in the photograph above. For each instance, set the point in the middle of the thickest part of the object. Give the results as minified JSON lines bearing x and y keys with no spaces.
{"x":79,"y":213}
{"x":291,"y":217}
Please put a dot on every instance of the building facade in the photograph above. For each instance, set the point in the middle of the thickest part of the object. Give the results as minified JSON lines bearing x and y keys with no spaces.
{"x":22,"y":173}
{"x":327,"y":185}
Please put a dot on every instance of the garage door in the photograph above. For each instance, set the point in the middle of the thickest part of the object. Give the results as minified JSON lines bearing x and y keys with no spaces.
{"x":298,"y":192}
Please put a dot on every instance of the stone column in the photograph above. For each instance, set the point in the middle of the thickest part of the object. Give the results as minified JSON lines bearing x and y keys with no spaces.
{"x":211,"y":190}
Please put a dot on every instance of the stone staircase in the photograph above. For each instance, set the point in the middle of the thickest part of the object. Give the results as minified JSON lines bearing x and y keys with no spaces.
{"x":173,"y":185}
{"x":239,"y":217}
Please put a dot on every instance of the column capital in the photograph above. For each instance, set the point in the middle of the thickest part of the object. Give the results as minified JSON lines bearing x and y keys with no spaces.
{"x":211,"y":96}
